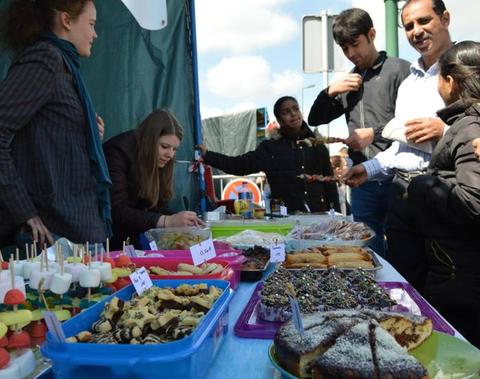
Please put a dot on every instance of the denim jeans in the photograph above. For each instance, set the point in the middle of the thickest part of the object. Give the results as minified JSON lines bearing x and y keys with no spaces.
{"x":370,"y":205}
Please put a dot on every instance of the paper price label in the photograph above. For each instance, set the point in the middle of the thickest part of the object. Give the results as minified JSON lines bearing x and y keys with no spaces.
{"x":130,"y":251}
{"x":54,"y":326}
{"x":277,"y":253}
{"x":153,"y":245}
{"x":141,"y":280}
{"x":283,"y":210}
{"x":202,"y":252}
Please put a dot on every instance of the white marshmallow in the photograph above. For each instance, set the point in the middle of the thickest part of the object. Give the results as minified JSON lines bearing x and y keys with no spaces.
{"x":28,"y":267}
{"x":19,"y":267}
{"x":25,"y":359}
{"x":7,"y":286}
{"x":95,"y":264}
{"x":60,"y":283}
{"x":90,"y":278}
{"x":75,"y":269}
{"x":12,"y":371}
{"x":37,"y":275}
{"x":105,"y":271}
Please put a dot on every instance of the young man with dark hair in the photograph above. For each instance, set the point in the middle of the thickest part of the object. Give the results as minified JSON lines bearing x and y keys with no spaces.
{"x":366,"y":96}
{"x":418,"y":101}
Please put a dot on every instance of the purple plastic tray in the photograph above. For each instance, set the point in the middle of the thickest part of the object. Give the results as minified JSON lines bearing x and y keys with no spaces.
{"x":249,"y":325}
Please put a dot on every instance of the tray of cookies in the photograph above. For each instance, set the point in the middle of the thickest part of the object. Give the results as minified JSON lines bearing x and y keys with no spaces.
{"x":325,"y":257}
{"x":166,"y":332}
{"x":183,"y":268}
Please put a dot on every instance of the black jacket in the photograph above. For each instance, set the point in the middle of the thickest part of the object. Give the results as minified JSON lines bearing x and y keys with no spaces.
{"x":283,"y":160}
{"x":370,"y":107}
{"x":131,"y":214}
{"x":448,"y":198}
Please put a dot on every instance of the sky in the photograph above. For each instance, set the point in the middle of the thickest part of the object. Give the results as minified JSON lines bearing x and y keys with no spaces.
{"x":250,"y":50}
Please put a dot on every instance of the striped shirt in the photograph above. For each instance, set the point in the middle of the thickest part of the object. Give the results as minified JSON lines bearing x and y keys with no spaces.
{"x":417,"y":97}
{"x":44,"y":165}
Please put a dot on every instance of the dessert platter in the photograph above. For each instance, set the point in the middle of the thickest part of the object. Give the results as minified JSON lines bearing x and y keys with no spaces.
{"x":361,"y":346}
{"x":166,"y":332}
{"x":255,"y":264}
{"x":268,"y":307}
{"x":160,"y":315}
{"x":341,"y":257}
{"x":357,"y":344}
{"x":177,"y":238}
{"x":332,"y":232}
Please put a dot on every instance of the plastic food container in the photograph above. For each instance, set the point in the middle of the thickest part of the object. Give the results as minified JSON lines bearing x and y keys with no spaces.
{"x":253,"y":275}
{"x":177,"y":238}
{"x":232,"y":256}
{"x":189,"y":357}
{"x":172,"y":263}
{"x":226,"y":228}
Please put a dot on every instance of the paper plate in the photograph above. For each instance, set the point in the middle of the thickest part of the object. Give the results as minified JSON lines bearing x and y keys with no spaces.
{"x":442,"y":355}
{"x":395,"y":131}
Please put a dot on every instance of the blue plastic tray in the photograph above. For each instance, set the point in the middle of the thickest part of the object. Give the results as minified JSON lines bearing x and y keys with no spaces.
{"x":189,"y":357}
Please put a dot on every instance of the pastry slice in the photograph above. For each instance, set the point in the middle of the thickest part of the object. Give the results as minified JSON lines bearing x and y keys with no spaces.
{"x":392,"y":360}
{"x":350,"y":356}
{"x":409,"y":330}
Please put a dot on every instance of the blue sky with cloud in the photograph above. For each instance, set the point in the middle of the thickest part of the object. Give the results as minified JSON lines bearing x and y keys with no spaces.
{"x":250,"y":50}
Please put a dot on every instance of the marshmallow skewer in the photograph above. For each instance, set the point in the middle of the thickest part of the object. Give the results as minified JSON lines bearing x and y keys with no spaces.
{"x":61,"y":281}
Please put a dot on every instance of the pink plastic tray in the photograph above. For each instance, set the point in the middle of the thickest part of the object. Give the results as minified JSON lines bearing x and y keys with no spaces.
{"x":234,"y":258}
{"x":232,"y":273}
{"x":249,"y":325}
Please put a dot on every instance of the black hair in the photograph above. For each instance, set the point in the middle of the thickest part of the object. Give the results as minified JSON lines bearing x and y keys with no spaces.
{"x":350,"y":24}
{"x":278,"y":104}
{"x":438,"y":6}
{"x":22,"y":21}
{"x":462,"y":63}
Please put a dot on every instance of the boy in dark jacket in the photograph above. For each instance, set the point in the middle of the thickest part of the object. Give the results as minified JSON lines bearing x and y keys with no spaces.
{"x":366,"y":96}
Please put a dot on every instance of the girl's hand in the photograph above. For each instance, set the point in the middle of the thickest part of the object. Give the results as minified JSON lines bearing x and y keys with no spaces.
{"x":101,"y":126}
{"x":184,"y":218}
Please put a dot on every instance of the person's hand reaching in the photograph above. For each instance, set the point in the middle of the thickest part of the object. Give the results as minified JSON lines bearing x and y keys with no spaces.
{"x":40,"y":232}
{"x":184,"y":218}
{"x":356,"y":176}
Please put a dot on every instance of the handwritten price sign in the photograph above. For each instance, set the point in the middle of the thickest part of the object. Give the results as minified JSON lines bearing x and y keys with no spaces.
{"x":277,"y":253}
{"x":141,"y":280}
{"x":202,"y":252}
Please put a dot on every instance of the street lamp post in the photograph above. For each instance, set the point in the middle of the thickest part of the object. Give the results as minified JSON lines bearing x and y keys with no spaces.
{"x":303,"y":90}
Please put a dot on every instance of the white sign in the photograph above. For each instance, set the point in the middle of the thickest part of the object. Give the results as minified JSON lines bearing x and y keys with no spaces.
{"x":141,"y":280}
{"x":54,"y":326}
{"x":153,"y":245}
{"x":283,"y":210}
{"x":277,"y":253}
{"x":130,"y":251}
{"x":202,"y":252}
{"x":150,"y":14}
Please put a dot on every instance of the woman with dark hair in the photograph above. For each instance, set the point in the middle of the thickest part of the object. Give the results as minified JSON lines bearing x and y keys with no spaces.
{"x":289,"y":166}
{"x":448,"y":198}
{"x":141,"y":164}
{"x":54,"y":180}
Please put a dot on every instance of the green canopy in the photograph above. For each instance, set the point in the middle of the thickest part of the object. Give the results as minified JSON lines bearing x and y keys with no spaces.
{"x":133,"y":71}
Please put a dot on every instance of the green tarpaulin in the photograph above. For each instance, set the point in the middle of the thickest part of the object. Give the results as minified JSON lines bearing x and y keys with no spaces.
{"x":133,"y":71}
